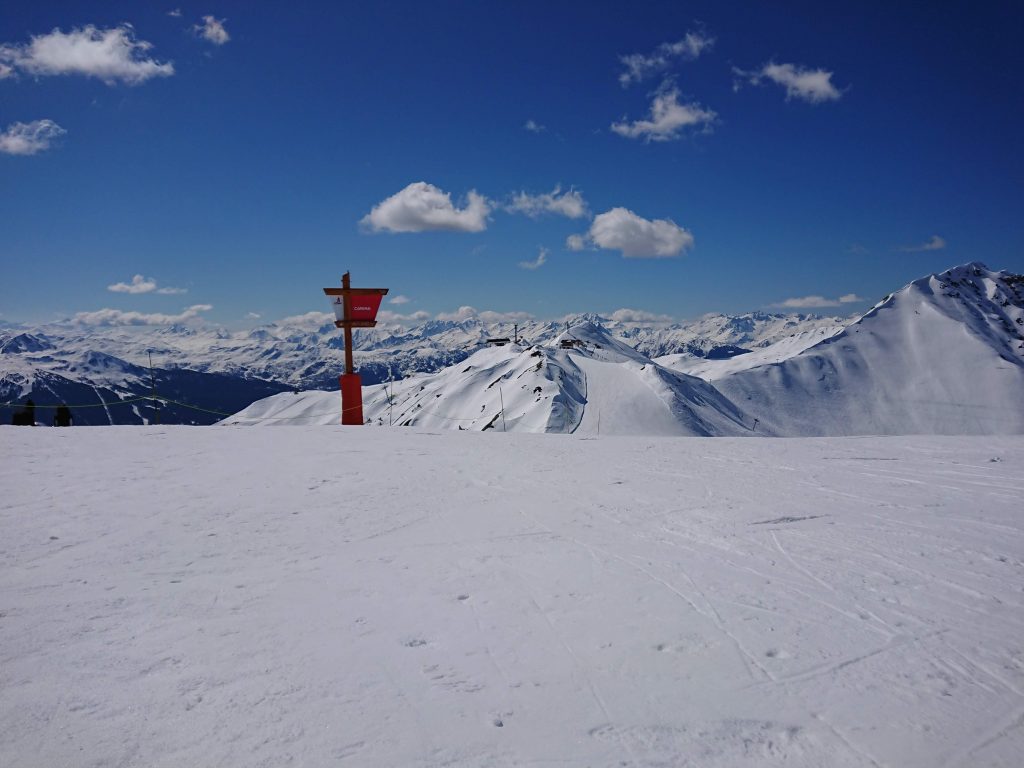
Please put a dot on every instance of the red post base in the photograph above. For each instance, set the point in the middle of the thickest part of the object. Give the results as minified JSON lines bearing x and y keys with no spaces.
{"x":351,"y":399}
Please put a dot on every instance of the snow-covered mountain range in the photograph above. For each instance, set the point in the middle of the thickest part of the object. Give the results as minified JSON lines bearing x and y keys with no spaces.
{"x":943,"y":355}
{"x":224,"y":371}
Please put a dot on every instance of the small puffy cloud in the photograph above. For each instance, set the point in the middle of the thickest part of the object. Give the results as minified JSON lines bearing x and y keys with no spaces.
{"x":29,"y":138}
{"x":117,"y":317}
{"x":308,"y":320}
{"x":111,"y":55}
{"x":625,"y":315}
{"x":636,"y":237}
{"x":422,"y":207}
{"x":464,"y":312}
{"x":534,"y":127}
{"x":212,"y":30}
{"x":248,"y":315}
{"x":176,"y":13}
{"x":576,"y":242}
{"x":395,"y":318}
{"x":487,"y":316}
{"x":542,"y":257}
{"x":807,"y":302}
{"x":569,"y":204}
{"x":811,"y":85}
{"x":640,"y":66}
{"x":667,"y":120}
{"x":935,"y":243}
{"x":6,"y":71}
{"x":399,"y":299}
{"x":140,"y":284}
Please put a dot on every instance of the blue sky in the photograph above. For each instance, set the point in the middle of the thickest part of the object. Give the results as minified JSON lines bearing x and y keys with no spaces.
{"x":240,"y":156}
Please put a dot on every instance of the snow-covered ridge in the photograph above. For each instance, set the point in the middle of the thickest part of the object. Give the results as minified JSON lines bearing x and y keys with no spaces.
{"x":941,"y":356}
{"x":597,"y":384}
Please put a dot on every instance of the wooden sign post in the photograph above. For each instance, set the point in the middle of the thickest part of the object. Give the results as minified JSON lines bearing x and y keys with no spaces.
{"x":353,"y":308}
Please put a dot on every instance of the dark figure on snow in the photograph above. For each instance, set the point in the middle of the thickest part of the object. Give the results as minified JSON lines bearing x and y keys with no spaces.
{"x":62,"y":417}
{"x":26,"y":417}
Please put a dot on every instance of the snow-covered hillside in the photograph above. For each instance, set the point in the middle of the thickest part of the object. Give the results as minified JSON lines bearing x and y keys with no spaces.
{"x":599,"y":385}
{"x":348,"y":596}
{"x":712,"y":368}
{"x":944,"y":355}
{"x":310,"y":356}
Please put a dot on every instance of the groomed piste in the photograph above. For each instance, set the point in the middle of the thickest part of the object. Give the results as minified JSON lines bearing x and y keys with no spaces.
{"x":374,"y":597}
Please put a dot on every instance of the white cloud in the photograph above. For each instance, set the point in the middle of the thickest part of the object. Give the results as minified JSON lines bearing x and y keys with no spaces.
{"x":111,"y":55}
{"x":640,"y":66}
{"x":812,"y":85}
{"x":569,"y":204}
{"x":542,"y":257}
{"x":308,"y":320}
{"x":485,"y":316}
{"x":176,"y":13}
{"x":117,"y":317}
{"x":395,"y":318}
{"x":805,"y":302}
{"x":29,"y":138}
{"x":576,"y":242}
{"x":534,"y":127}
{"x":140,"y":284}
{"x":248,"y":315}
{"x":212,"y":30}
{"x":422,"y":207}
{"x":399,"y":299}
{"x":462,"y":313}
{"x":935,"y":243}
{"x":667,"y":119}
{"x":636,"y":237}
{"x":6,"y":71}
{"x":639,"y":316}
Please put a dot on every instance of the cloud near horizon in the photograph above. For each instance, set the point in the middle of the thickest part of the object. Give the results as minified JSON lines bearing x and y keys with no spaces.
{"x":626,"y":315}
{"x":934,"y":243}
{"x":111,"y":55}
{"x":486,"y":316}
{"x":807,"y":302}
{"x":636,"y":237}
{"x":810,"y":85}
{"x":640,"y":66}
{"x":29,"y":138}
{"x":140,"y":284}
{"x":422,"y":207}
{"x":668,"y":118}
{"x":118,"y":317}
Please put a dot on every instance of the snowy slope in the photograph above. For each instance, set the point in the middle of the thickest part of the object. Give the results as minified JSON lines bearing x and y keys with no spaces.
{"x":309,"y":354}
{"x":600,"y":385}
{"x":369,"y":597}
{"x":711,"y":369}
{"x":944,"y":355}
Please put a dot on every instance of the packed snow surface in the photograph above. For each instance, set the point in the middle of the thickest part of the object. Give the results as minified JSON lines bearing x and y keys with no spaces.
{"x":382,"y":597}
